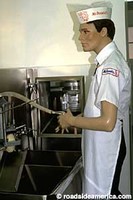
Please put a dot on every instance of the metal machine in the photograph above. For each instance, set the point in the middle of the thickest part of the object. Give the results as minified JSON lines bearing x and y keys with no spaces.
{"x":35,"y":161}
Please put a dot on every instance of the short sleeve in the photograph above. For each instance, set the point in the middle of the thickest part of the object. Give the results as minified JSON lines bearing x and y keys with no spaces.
{"x":108,"y":87}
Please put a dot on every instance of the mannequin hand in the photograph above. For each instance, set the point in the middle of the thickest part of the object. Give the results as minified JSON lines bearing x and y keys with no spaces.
{"x":57,"y":129}
{"x":66,"y":119}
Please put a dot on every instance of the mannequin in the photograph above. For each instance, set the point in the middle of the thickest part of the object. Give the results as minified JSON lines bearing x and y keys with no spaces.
{"x":108,"y":101}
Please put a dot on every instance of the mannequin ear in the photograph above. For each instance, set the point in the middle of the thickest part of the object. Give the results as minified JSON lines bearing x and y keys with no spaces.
{"x":104,"y":32}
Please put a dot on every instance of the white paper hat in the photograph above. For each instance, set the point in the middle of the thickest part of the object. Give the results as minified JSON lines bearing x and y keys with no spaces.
{"x":99,"y":10}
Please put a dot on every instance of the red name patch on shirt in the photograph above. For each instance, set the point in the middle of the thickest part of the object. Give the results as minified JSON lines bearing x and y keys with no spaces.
{"x":110,"y":71}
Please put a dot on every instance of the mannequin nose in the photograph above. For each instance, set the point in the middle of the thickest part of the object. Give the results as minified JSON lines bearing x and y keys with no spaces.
{"x":81,"y":37}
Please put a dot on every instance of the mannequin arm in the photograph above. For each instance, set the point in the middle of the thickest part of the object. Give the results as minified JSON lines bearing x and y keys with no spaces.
{"x":105,"y":122}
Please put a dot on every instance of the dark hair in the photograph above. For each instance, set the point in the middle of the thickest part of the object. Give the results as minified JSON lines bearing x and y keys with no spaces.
{"x":109,"y":24}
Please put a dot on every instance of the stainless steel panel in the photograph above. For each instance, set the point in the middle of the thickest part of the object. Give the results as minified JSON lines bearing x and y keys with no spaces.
{"x":55,"y":158}
{"x":15,"y":80}
{"x":11,"y":168}
{"x":45,"y":179}
{"x":19,"y":196}
{"x":43,"y":173}
{"x":61,"y":143}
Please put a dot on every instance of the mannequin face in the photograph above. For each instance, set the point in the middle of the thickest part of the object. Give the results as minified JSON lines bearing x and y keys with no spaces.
{"x":90,"y":38}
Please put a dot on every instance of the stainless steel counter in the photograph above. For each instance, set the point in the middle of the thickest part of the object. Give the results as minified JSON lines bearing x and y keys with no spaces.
{"x":39,"y":174}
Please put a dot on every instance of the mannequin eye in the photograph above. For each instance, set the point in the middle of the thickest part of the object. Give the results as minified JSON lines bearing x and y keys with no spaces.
{"x":86,"y":31}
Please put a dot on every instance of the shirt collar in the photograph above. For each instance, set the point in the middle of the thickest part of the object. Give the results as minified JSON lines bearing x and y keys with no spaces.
{"x":105,"y":53}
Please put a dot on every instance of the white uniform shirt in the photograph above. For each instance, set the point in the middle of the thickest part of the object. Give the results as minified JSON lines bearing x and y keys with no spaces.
{"x":111,"y":83}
